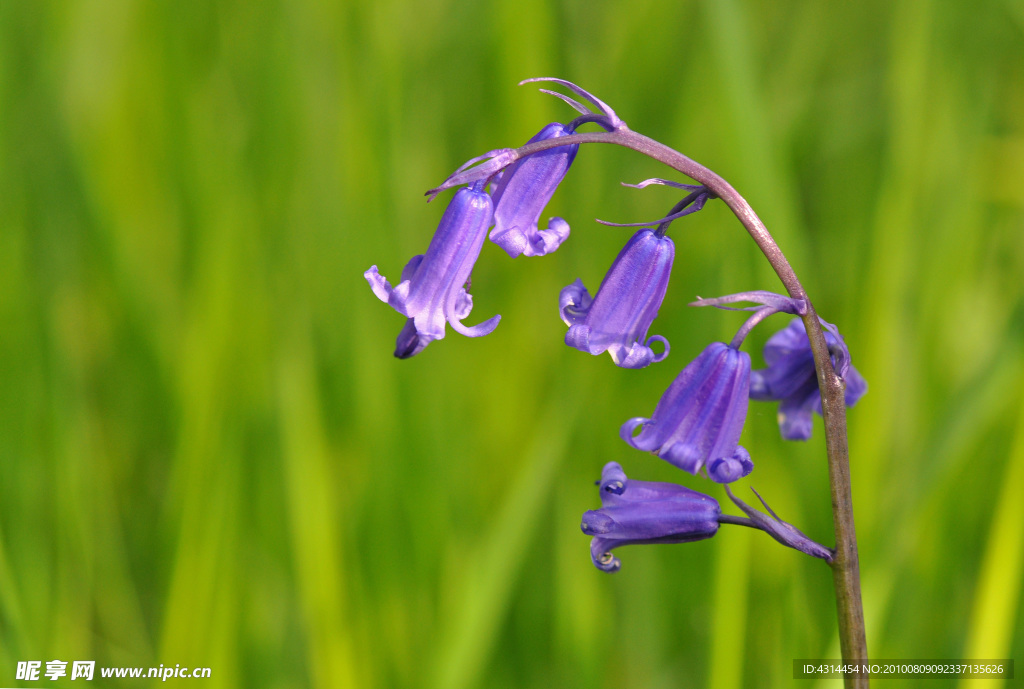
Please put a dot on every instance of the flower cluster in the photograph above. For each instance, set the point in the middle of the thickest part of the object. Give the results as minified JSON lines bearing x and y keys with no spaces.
{"x":696,"y":426}
{"x":433,"y":286}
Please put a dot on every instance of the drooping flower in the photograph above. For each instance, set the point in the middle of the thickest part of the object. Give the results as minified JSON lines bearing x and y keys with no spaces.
{"x":433,"y":286}
{"x":636,"y":512}
{"x":617,"y":319}
{"x":523,"y":190}
{"x":698,"y":421}
{"x":792,"y":380}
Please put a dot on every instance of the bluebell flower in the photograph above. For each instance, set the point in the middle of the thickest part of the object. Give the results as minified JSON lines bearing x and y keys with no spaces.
{"x":617,"y":319}
{"x":698,"y":421}
{"x":635,"y":512}
{"x":792,"y":380}
{"x":523,"y":190}
{"x":433,"y":286}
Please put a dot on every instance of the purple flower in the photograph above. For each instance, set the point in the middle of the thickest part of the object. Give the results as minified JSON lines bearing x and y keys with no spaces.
{"x":699,"y":418}
{"x":645,"y":512}
{"x":791,"y":377}
{"x":432,"y":288}
{"x":616,"y":320}
{"x":523,"y":190}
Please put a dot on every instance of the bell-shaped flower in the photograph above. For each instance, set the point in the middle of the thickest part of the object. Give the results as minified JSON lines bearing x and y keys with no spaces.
{"x":618,"y":317}
{"x":792,"y":380}
{"x":698,"y":421}
{"x":433,"y":286}
{"x":522,"y":191}
{"x":635,"y":512}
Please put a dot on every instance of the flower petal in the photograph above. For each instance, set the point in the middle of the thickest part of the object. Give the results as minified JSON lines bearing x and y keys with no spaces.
{"x":574,"y":302}
{"x":485,"y":328}
{"x":727,"y":470}
{"x":409,"y":342}
{"x":701,"y":415}
{"x":378,"y":283}
{"x":546,"y":241}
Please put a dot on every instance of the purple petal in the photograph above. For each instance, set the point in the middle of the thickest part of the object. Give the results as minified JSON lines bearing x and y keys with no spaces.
{"x":485,"y":328}
{"x":574,"y":302}
{"x":626,"y":303}
{"x":432,"y":290}
{"x":409,"y":342}
{"x":378,"y":283}
{"x":613,"y":479}
{"x":791,"y":377}
{"x":700,"y":416}
{"x":727,"y":470}
{"x":796,"y":418}
{"x":644,"y":512}
{"x":524,"y":190}
{"x":546,"y":241}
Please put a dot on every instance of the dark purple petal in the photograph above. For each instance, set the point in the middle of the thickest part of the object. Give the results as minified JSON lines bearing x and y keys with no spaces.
{"x":523,"y":191}
{"x":617,"y":319}
{"x":638,"y":512}
{"x":432,"y":289}
{"x":700,"y":417}
{"x":729,"y":469}
{"x":573,"y":303}
{"x":796,"y":412}
{"x":856,"y":386}
{"x":613,"y":479}
{"x":791,"y":377}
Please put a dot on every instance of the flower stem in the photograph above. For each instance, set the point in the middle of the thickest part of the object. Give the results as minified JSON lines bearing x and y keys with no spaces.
{"x":845,"y":565}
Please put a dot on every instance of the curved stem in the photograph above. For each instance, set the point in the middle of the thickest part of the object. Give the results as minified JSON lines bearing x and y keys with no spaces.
{"x":845,"y":565}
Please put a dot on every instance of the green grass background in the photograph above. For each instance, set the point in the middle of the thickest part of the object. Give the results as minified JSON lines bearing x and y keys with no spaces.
{"x":209,"y":457}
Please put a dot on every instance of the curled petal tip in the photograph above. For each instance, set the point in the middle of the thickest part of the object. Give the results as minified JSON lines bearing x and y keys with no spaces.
{"x":524,"y":189}
{"x":700,"y":417}
{"x":627,"y":430}
{"x":479,"y":330}
{"x":644,"y":512}
{"x":619,"y":316}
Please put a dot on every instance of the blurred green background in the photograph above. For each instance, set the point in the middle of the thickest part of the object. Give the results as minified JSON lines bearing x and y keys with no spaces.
{"x":208,"y":455}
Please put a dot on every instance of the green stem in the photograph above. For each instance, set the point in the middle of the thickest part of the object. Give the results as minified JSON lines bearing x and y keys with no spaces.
{"x":845,"y":565}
